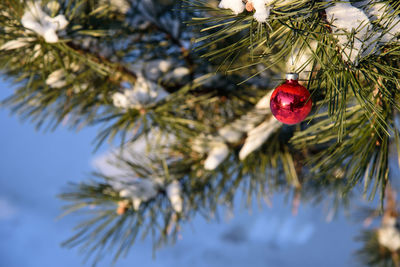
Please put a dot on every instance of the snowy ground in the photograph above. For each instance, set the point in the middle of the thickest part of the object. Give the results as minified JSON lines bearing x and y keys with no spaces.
{"x":34,"y":167}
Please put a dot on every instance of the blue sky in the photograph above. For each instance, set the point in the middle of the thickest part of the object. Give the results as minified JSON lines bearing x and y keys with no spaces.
{"x":35,"y":166}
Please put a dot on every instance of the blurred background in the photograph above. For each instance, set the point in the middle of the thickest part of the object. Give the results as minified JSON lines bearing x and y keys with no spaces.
{"x":36,"y":166}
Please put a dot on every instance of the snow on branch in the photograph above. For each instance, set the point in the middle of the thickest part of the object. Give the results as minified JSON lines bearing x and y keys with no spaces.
{"x":132,"y":186}
{"x":383,"y":14}
{"x":258,"y":125}
{"x":35,"y":19}
{"x":143,"y":93}
{"x":262,"y":7}
{"x":353,"y":30}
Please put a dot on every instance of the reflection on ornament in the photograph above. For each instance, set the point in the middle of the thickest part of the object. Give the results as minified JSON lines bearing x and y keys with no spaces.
{"x":290,"y":102}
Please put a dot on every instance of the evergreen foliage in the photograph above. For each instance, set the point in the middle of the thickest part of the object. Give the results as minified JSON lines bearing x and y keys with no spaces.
{"x":191,"y":81}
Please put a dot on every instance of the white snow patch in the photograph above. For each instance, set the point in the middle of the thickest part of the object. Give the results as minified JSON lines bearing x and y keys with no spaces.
{"x":216,"y":156}
{"x":17,"y":43}
{"x":139,"y":190}
{"x":389,"y":236}
{"x":230,"y":133}
{"x":347,"y":19}
{"x":38,"y":21}
{"x":237,"y":6}
{"x":143,"y":93}
{"x":257,"y":136}
{"x":56,"y":79}
{"x":380,"y":12}
{"x":264,"y":102}
{"x":262,"y":8}
{"x":174,"y":193}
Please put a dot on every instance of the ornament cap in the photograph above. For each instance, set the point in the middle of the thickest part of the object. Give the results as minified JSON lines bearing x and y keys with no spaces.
{"x":292,"y":76}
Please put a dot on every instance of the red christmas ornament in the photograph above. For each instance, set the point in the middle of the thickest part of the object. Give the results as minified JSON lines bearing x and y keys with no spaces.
{"x":291,"y":102}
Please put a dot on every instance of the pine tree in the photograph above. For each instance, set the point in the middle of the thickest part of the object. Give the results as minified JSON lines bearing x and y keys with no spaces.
{"x":182,"y":91}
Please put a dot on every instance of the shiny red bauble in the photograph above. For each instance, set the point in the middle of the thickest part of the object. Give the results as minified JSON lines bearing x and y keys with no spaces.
{"x":290,"y":102}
